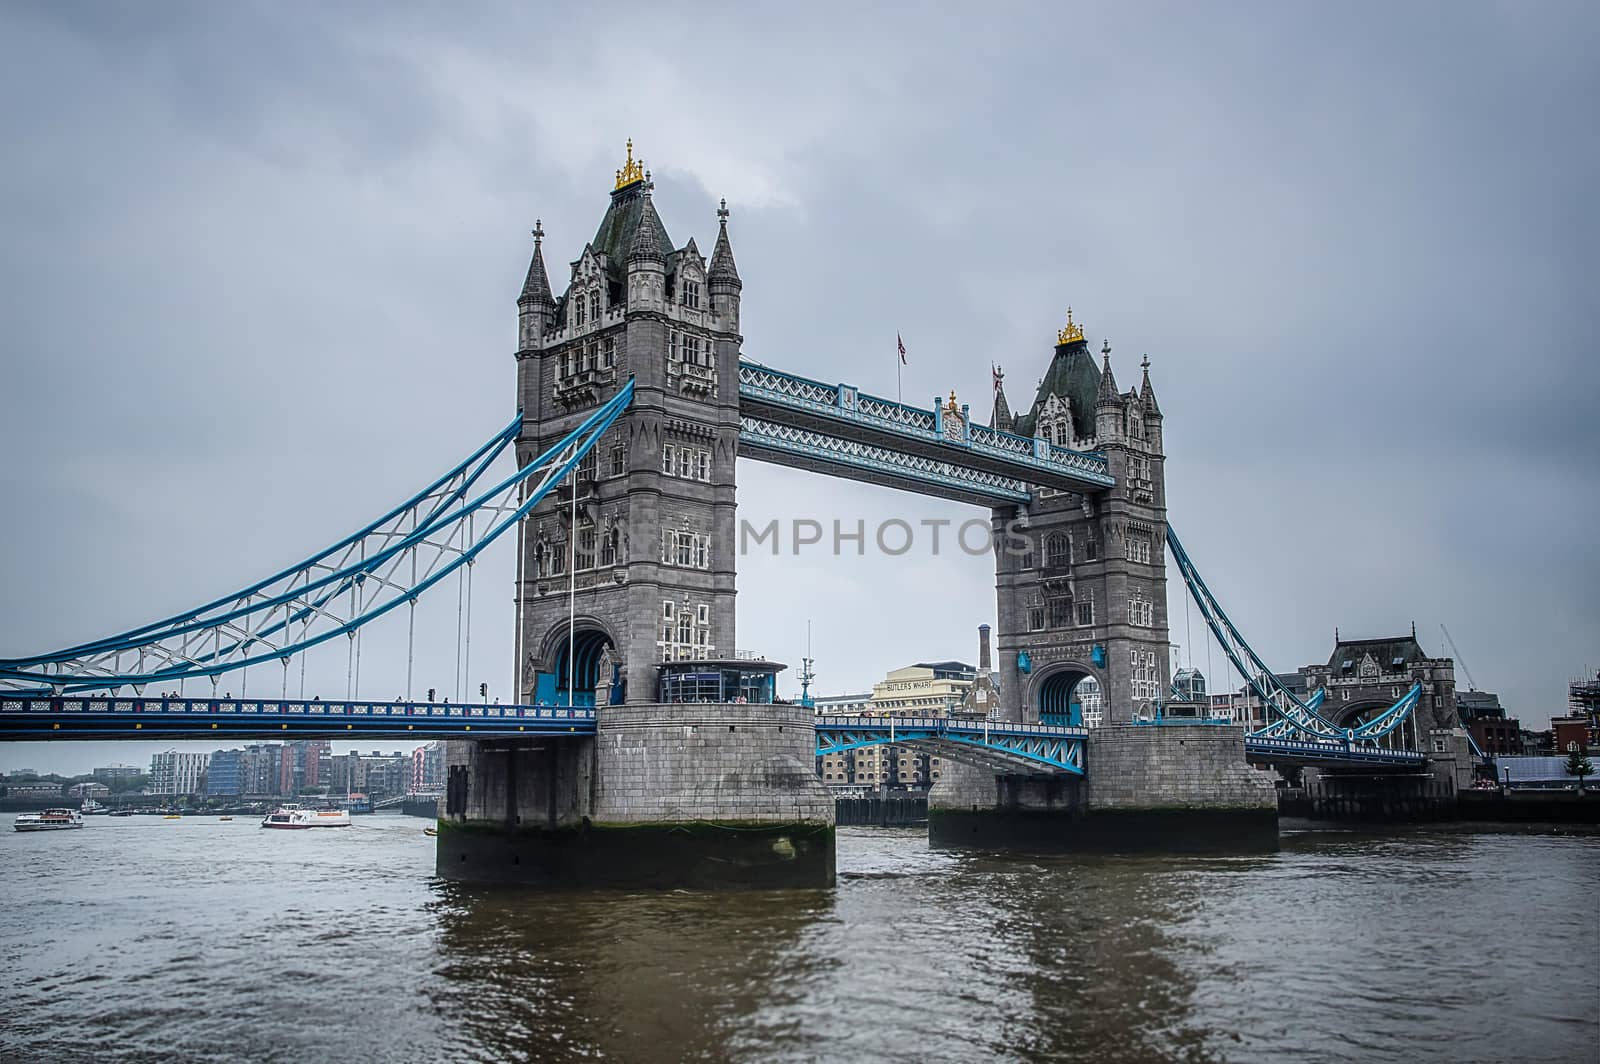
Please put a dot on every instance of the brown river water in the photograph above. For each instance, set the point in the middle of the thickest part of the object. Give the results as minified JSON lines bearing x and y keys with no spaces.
{"x":143,"y":939}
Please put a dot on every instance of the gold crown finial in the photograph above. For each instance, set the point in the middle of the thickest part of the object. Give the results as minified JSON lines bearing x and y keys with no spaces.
{"x":1072,"y":333}
{"x":632,"y":171}
{"x":951,"y":407}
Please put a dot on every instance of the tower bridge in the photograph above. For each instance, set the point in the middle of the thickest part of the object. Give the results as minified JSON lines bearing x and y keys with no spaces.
{"x":634,"y":725}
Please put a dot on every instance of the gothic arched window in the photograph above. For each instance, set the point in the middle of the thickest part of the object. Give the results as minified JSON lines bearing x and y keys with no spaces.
{"x":1058,"y":550}
{"x":594,"y":306}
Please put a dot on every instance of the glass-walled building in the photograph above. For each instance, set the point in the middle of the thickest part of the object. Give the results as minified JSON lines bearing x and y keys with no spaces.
{"x":740,"y":680}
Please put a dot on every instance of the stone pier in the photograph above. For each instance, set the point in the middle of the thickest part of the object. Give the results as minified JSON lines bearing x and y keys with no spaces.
{"x":1173,"y":789}
{"x":663,"y":796}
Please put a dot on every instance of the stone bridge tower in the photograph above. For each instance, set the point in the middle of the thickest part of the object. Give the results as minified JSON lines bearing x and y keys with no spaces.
{"x":1086,"y":598}
{"x":653,"y":547}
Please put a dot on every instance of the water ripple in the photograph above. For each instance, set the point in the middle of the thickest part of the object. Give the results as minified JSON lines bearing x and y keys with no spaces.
{"x":139,"y":940}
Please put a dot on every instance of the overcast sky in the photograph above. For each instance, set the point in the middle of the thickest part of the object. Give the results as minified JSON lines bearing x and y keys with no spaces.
{"x":260,"y":264}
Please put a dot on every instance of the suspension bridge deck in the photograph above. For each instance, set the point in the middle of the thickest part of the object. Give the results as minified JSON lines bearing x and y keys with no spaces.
{"x":46,"y":717}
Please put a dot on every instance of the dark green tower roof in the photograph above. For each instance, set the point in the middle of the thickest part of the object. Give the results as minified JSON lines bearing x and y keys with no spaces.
{"x":1075,"y":378}
{"x":614,"y":238}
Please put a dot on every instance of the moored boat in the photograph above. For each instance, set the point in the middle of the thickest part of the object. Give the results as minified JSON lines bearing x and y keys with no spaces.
{"x":49,"y":820}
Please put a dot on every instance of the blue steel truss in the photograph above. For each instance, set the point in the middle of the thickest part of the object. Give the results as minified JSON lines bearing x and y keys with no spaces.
{"x":840,"y":410}
{"x":1319,"y":752}
{"x":782,"y":444}
{"x":25,"y":716}
{"x":1035,"y":746}
{"x":1297,"y":719}
{"x":364,"y":576}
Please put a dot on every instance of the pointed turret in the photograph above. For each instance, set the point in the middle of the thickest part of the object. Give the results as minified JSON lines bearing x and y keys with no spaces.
{"x":1000,"y":418}
{"x":536,"y":307}
{"x":722,"y":278}
{"x":536,"y":289}
{"x":1147,"y":394}
{"x":1108,"y":420}
{"x":723,"y":271}
{"x":645,"y":246}
{"x":1108,"y":394}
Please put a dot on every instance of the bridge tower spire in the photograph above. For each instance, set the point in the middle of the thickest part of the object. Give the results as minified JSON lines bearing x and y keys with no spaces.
{"x":1085,"y":598}
{"x":655,"y":528}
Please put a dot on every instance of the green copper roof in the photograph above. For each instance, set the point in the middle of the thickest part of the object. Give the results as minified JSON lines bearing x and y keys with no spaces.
{"x":615,"y":236}
{"x":1073,"y":376}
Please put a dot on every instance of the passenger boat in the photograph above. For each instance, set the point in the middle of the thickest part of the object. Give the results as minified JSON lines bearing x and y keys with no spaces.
{"x":294,"y":816}
{"x":49,"y":820}
{"x":173,"y":816}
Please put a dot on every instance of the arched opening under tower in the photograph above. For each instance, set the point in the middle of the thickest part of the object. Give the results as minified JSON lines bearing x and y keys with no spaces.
{"x":1359,"y":713}
{"x":1062,"y":695}
{"x":575,"y":670}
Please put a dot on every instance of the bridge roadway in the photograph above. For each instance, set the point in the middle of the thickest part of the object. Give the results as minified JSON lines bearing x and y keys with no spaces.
{"x":1031,"y":747}
{"x":73,"y":717}
{"x":839,"y":430}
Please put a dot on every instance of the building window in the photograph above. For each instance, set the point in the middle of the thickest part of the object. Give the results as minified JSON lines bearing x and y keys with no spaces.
{"x":558,"y":559}
{"x":608,"y":357}
{"x":666,"y":458}
{"x":1035,"y":618}
{"x":577,"y":311}
{"x":1145,"y":685}
{"x":594,"y":306}
{"x":586,"y":544}
{"x":687,"y":636}
{"x":588,"y":465}
{"x":1091,"y":547}
{"x":1060,"y":612}
{"x":1139,"y":548}
{"x":1141,"y":611}
{"x":1057,"y":550}
{"x":689,"y":296}
{"x":688,"y":550}
{"x":619,"y":459}
{"x":608,"y":548}
{"x":1086,"y":609}
{"x":1027,"y":553}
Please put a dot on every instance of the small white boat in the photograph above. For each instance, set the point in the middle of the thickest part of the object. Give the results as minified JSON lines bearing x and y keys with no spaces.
{"x":49,"y":820}
{"x":294,"y":816}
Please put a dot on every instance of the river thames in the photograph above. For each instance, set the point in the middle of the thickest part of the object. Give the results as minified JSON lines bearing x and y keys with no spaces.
{"x":196,"y":939}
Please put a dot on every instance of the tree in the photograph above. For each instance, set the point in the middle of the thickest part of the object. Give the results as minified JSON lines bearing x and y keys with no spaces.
{"x":1578,"y":765}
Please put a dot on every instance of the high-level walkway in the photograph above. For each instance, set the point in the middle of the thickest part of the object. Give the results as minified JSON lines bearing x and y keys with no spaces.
{"x":838,"y":430}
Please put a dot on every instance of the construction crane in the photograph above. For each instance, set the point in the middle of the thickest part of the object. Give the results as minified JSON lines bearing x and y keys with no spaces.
{"x":1455,"y":650}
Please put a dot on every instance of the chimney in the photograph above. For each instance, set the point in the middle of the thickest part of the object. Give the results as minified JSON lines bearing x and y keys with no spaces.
{"x":983,"y":649}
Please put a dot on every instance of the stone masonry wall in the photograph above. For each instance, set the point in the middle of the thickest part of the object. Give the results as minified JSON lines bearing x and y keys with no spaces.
{"x":681,"y":763}
{"x":963,"y":787}
{"x":1132,"y":767}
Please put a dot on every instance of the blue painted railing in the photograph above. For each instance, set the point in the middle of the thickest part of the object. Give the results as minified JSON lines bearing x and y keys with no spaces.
{"x":847,"y":405}
{"x":1055,"y":747}
{"x":74,"y":717}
